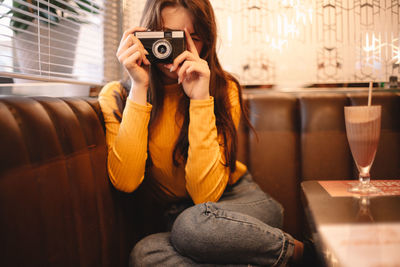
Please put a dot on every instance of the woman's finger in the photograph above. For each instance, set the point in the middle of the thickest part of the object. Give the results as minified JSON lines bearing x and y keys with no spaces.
{"x":190,"y":44}
{"x":132,"y":61}
{"x":190,"y":54}
{"x":130,"y":51}
{"x":144,"y":58}
{"x":124,"y":44}
{"x":194,"y":69}
{"x":168,"y":66}
{"x":182,"y":71}
{"x":185,"y":55}
{"x":132,"y":30}
{"x":144,"y":52}
{"x":128,"y":44}
{"x":130,"y":40}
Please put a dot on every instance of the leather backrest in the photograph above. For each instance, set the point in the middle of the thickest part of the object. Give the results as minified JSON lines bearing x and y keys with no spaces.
{"x":325,"y":153}
{"x":273,"y":153}
{"x":302,"y":136}
{"x":57,"y":207}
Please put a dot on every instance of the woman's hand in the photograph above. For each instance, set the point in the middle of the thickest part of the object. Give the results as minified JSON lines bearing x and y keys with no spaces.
{"x":194,"y":73}
{"x":132,"y":55}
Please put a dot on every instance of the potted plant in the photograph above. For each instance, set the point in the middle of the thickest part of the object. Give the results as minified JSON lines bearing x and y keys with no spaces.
{"x":59,"y":28}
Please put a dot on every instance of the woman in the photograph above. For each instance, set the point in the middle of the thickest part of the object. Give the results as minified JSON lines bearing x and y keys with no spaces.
{"x":178,"y":133}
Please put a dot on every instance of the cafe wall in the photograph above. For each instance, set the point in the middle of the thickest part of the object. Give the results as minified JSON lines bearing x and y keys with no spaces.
{"x":299,"y":42}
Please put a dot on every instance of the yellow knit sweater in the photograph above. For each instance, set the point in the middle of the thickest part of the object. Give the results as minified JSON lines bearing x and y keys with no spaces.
{"x":203,"y":178}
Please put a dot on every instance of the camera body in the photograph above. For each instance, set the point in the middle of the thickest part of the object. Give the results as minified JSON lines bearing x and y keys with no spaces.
{"x":163,"y":47}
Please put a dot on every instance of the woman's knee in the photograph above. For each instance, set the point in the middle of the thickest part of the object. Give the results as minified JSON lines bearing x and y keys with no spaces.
{"x":140,"y":251}
{"x":269,"y":209}
{"x":188,"y":229}
{"x":143,"y":254}
{"x":276,"y":211}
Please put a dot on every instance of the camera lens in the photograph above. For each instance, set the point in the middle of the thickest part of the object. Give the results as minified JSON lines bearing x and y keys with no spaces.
{"x":162,"y":49}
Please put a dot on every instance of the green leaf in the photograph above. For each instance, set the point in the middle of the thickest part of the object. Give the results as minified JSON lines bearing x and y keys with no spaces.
{"x":73,"y":10}
{"x":18,"y":25}
{"x":75,"y":20}
{"x":49,"y":16}
{"x":94,"y":6}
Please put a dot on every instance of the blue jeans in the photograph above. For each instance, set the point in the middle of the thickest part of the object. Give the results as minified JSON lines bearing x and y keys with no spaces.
{"x":241,"y":229}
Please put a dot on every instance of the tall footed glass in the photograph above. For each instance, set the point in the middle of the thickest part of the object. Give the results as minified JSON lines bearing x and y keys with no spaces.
{"x":363,"y":125}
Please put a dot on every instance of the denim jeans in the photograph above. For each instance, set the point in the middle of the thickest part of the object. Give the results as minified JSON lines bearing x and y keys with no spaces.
{"x":241,"y":229}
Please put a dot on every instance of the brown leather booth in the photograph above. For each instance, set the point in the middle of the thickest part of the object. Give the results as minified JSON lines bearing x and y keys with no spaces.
{"x":57,"y":207}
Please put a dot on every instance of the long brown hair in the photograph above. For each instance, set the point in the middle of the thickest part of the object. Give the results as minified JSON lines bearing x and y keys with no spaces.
{"x":205,"y":27}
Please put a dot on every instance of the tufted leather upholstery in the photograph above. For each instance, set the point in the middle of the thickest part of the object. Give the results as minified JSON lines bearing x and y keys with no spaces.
{"x":302,"y":136}
{"x":57,"y":207}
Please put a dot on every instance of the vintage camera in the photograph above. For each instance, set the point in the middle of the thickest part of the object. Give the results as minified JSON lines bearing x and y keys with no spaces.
{"x":163,"y":47}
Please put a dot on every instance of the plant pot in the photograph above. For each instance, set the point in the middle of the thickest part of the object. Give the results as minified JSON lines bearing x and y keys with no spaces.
{"x":57,"y":49}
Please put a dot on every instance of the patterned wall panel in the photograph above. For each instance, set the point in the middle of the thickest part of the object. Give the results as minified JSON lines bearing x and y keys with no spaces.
{"x":298,"y":42}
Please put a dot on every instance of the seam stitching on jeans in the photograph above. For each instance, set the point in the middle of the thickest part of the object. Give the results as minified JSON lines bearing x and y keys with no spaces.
{"x":240,"y":188}
{"x":250,"y":203}
{"x":244,"y":222}
{"x":282,"y":249}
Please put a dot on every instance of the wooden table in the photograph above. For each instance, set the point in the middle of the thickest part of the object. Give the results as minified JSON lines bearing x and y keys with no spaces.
{"x":353,"y":230}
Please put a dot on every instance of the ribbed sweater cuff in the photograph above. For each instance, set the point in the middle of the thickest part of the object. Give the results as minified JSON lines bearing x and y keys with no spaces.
{"x":201,"y":103}
{"x":131,"y":105}
{"x":202,"y":129}
{"x":136,"y":119}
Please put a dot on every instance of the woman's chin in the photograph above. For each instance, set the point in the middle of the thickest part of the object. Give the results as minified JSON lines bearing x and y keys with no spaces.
{"x":168,"y":77}
{"x":172,"y":76}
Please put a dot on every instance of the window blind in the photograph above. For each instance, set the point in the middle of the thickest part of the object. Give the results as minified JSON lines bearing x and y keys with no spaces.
{"x":132,"y":12}
{"x":113,"y":21}
{"x":57,"y":40}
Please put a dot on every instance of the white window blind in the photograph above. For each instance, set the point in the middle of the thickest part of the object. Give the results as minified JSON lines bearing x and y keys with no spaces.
{"x":113,"y":21}
{"x":57,"y":40}
{"x":132,"y":12}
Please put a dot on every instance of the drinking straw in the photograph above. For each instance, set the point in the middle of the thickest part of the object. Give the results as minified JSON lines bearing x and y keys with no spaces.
{"x":369,"y":94}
